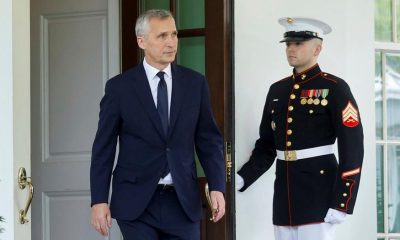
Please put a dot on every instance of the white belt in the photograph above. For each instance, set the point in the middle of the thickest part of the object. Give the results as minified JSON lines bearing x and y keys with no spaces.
{"x":293,"y":155}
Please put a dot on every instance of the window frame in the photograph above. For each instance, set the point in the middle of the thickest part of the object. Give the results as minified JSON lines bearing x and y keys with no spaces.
{"x":385,"y":48}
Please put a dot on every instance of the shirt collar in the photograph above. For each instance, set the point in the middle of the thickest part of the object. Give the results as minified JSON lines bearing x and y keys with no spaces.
{"x":151,"y":71}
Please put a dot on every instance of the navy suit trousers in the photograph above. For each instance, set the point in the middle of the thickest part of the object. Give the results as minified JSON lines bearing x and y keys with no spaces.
{"x":163,"y":219}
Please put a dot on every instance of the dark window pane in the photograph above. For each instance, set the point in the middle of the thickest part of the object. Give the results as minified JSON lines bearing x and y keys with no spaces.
{"x":191,"y":53}
{"x":155,"y":4}
{"x":190,"y":14}
{"x":199,"y":168}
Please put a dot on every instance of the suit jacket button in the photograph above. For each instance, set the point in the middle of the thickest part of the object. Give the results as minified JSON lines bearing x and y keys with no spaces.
{"x":344,"y":194}
{"x":342,"y":205}
{"x":167,"y":149}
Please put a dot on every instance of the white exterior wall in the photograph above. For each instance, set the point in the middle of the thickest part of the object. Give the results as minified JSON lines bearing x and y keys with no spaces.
{"x":260,"y":60}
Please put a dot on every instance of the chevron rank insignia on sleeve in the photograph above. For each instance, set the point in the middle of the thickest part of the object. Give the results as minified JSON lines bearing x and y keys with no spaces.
{"x":350,"y":116}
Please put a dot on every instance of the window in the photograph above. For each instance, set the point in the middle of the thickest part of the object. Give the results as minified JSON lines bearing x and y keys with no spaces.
{"x":387,"y":111}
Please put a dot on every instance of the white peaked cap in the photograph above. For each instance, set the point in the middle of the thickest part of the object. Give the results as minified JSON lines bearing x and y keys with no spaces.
{"x":296,"y":26}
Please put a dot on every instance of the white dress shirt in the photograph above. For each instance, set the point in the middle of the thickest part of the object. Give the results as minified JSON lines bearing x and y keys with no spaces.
{"x":151,"y":73}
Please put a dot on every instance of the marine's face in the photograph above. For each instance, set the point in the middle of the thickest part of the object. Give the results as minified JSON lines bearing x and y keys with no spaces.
{"x":302,"y":55}
{"x":160,"y":43}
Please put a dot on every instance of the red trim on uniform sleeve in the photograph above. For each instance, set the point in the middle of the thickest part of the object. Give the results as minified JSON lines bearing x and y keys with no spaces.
{"x":345,"y":176}
{"x":324,"y":75}
{"x":351,"y":172}
{"x":286,"y":78}
{"x":350,"y":191}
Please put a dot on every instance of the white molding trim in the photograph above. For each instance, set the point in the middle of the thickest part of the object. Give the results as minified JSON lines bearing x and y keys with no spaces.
{"x":387,"y":46}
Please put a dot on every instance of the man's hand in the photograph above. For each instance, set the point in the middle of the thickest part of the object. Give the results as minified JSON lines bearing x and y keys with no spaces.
{"x":218,"y":205}
{"x":101,"y":218}
{"x":334,"y":216}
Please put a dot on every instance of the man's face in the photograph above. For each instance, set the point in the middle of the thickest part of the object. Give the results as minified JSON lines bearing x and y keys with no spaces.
{"x":160,"y":43}
{"x":302,"y":55}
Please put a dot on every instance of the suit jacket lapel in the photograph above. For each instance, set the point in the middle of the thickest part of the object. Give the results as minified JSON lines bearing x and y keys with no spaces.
{"x":143,"y":91}
{"x":176,"y":98}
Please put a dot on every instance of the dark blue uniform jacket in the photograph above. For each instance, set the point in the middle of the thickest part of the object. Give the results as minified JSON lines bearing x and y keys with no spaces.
{"x":308,"y":110}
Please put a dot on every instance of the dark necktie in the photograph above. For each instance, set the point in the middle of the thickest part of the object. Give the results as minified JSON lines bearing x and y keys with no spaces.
{"x":162,"y":102}
{"x":162,"y":108}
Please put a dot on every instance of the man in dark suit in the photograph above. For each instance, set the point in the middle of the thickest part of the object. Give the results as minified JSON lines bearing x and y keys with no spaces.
{"x":304,"y":114}
{"x":160,"y":114}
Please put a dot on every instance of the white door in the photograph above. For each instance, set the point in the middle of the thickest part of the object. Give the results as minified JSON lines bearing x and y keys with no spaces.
{"x":74,"y":47}
{"x":14,"y":115}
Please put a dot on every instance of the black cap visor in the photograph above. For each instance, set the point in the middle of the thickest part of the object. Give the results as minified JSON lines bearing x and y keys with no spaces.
{"x":302,"y":36}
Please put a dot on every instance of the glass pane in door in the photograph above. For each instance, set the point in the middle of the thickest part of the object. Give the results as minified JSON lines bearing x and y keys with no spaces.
{"x":191,"y":53}
{"x":189,"y":14}
{"x":155,"y":4}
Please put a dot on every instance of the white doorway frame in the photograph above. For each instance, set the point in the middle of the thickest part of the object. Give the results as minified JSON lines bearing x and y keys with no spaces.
{"x":15,"y":113}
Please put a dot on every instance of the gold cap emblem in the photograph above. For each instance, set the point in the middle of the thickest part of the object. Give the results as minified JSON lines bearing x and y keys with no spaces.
{"x":289,"y":20}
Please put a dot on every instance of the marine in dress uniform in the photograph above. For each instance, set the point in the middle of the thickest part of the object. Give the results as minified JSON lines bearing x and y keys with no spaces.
{"x":304,"y":114}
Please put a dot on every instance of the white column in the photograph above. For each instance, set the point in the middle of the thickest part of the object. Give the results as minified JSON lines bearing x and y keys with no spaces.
{"x":15,"y":113}
{"x":21,"y":109}
{"x":6,"y":121}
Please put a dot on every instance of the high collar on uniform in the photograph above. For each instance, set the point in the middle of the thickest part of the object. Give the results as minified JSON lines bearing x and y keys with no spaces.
{"x":307,"y":74}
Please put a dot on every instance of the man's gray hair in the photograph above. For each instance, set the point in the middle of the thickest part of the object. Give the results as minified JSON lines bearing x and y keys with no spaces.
{"x":142,"y":23}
